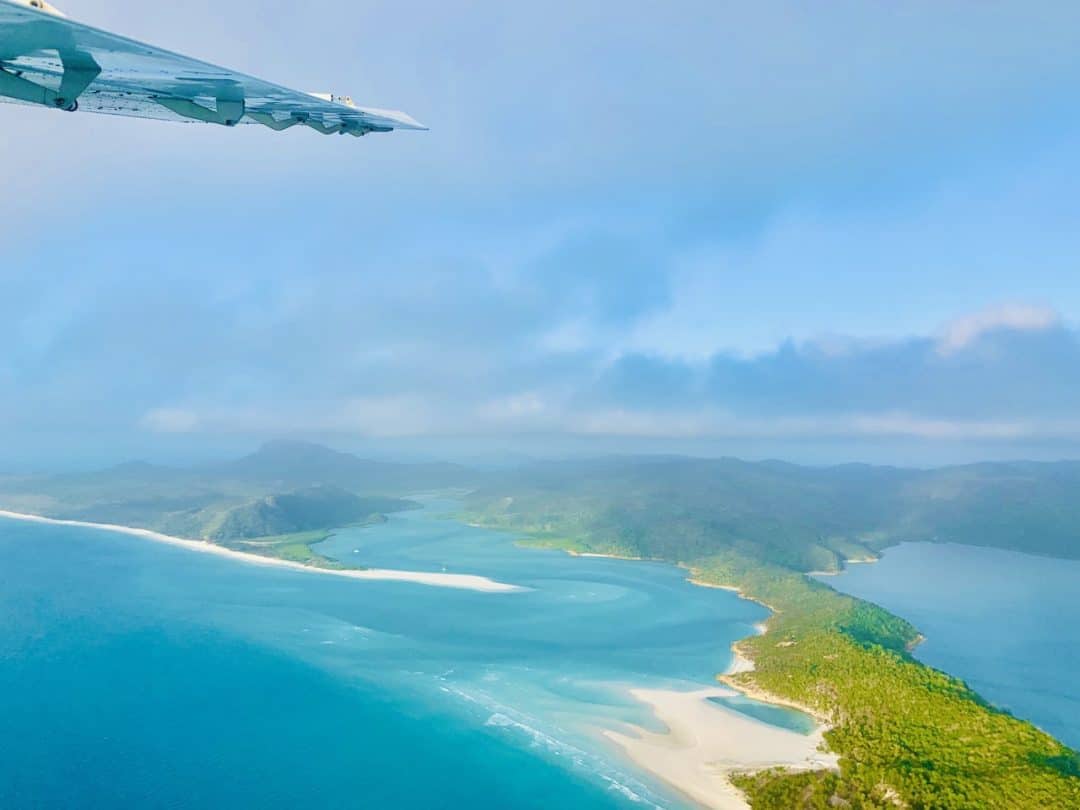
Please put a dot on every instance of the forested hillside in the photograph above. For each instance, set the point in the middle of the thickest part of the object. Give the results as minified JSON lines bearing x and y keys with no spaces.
{"x":805,"y":518}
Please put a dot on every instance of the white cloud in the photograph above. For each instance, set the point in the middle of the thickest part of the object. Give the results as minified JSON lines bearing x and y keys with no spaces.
{"x":707,"y":424}
{"x":962,"y":332}
{"x":623,"y":423}
{"x":398,"y":417}
{"x":908,"y":425}
{"x":170,"y":420}
{"x":386,"y":417}
{"x":515,"y":409}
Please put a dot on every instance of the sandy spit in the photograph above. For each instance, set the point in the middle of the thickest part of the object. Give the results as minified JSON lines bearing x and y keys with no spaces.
{"x":470,"y":582}
{"x":706,"y":742}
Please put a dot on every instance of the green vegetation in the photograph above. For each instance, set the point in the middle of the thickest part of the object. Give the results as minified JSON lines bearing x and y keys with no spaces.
{"x":905,"y":732}
{"x":293,"y":547}
{"x":802,"y":518}
{"x":253,"y":526}
{"x":907,"y":735}
{"x":557,"y":542}
{"x":293,"y":512}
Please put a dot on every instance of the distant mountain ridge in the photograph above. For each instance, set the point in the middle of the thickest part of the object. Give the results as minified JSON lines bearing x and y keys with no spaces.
{"x":277,"y":465}
{"x":284,"y":488}
{"x":807,"y":518}
{"x":296,"y":463}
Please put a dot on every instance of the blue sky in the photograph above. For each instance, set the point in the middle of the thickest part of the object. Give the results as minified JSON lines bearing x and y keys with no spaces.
{"x":821,"y":232}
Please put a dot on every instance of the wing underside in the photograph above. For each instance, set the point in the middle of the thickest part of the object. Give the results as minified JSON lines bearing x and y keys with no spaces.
{"x":54,"y":61}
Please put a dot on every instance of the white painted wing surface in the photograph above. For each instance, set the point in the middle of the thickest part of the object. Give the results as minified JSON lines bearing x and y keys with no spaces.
{"x":51,"y":60}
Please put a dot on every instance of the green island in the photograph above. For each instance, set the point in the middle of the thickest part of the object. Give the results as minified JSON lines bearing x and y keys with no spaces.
{"x":296,"y":547}
{"x":289,"y":525}
{"x":907,"y":735}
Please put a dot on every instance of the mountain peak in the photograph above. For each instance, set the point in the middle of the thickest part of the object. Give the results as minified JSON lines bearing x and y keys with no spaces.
{"x":297,"y":447}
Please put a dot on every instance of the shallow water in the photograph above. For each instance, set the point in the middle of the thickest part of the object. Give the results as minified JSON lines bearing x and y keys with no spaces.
{"x":1005,"y":622}
{"x":779,"y":716}
{"x":139,"y":674}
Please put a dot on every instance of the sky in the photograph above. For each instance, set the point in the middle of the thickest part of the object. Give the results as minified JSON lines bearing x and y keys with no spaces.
{"x":819,"y":232}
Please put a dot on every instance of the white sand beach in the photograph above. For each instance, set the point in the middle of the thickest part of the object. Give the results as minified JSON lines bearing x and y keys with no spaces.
{"x":470,"y":582}
{"x":706,"y":742}
{"x":739,"y":663}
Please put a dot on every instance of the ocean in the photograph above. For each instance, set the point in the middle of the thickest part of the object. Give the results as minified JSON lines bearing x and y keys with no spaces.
{"x":136,"y":674}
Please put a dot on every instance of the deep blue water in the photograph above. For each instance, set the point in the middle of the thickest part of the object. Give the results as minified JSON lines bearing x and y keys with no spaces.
{"x":1004,"y":622}
{"x":135,"y":674}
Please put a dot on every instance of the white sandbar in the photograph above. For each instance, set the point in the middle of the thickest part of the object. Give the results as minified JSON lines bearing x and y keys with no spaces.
{"x":706,"y":742}
{"x":470,"y":582}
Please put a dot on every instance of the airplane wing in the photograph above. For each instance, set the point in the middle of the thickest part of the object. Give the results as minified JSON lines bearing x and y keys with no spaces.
{"x":49,"y":60}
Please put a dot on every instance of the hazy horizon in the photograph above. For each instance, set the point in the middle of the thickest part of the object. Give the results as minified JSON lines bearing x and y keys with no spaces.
{"x":465,"y":452}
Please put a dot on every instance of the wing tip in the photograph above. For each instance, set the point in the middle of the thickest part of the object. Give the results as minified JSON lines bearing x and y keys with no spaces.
{"x":403,"y":121}
{"x":396,"y":119}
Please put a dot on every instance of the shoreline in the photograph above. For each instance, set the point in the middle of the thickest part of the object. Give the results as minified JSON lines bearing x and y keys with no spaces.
{"x":742,"y":662}
{"x":911,"y":645}
{"x":844,"y":563}
{"x":705,"y":743}
{"x":471,"y":582}
{"x":701,"y":751}
{"x":573,"y":553}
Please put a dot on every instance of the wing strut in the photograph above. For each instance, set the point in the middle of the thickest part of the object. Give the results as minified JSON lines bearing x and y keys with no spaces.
{"x":268,"y":120}
{"x":344,"y":128}
{"x":227,"y":112}
{"x":80,"y":70}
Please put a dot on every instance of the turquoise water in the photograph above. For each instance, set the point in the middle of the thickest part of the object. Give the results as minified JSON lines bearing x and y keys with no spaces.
{"x":135,"y":674}
{"x":779,"y":716}
{"x":1004,"y":622}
